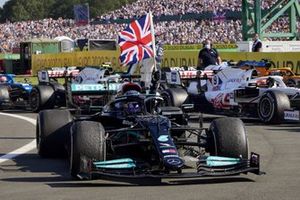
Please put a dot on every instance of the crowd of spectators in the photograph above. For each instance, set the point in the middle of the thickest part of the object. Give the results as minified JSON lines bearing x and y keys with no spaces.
{"x":169,"y":32}
{"x":178,"y":7}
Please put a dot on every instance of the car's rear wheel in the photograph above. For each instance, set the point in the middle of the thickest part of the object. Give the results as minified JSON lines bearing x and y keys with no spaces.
{"x":272,"y":105}
{"x":227,"y":137}
{"x":42,"y":97}
{"x":87,"y":144}
{"x":174,"y":96}
{"x":52,"y":132}
{"x":34,"y":100}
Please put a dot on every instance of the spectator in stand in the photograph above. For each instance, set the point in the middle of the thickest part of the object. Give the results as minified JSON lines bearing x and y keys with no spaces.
{"x":218,"y":30}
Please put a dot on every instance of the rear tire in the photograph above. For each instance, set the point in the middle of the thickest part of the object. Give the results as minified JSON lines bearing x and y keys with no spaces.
{"x":271,"y":107}
{"x":87,"y":144}
{"x":42,"y":97}
{"x":227,"y":137}
{"x":174,"y":96}
{"x":52,"y":132}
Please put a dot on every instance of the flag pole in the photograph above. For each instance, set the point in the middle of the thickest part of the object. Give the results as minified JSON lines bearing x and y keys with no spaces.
{"x":153,"y":38}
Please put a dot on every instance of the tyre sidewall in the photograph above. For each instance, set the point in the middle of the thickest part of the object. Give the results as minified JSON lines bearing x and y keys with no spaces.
{"x":228,"y":137}
{"x":87,"y":144}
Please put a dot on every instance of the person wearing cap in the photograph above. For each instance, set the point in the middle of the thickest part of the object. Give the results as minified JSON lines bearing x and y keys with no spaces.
{"x":208,"y":56}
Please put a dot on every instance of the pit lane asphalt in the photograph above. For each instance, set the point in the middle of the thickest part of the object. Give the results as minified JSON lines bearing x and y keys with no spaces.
{"x":30,"y":177}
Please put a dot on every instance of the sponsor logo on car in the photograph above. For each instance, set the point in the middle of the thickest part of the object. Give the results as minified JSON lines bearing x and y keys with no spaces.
{"x":164,"y":144}
{"x":163,"y":138}
{"x":235,"y":80}
{"x":291,"y":115}
{"x":169,"y":151}
{"x":174,"y":161}
{"x":173,"y":76}
{"x":171,"y":156}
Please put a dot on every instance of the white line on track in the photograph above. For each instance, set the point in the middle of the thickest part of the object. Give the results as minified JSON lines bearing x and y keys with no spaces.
{"x":24,"y":149}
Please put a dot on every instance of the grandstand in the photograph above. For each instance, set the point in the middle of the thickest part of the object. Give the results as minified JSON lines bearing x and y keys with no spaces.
{"x":202,"y":19}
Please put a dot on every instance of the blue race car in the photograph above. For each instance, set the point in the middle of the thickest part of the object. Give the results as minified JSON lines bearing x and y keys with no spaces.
{"x":13,"y":94}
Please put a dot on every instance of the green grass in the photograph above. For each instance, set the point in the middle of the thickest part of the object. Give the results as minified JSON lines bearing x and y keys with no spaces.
{"x":33,"y":79}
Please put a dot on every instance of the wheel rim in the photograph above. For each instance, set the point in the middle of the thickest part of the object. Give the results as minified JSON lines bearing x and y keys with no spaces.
{"x":266,"y":108}
{"x":166,"y":101}
{"x":291,"y":84}
{"x":34,"y":102}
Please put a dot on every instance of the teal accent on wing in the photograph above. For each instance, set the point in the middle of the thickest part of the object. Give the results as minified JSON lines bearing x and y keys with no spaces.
{"x":116,"y":161}
{"x":117,"y":166}
{"x":217,"y":161}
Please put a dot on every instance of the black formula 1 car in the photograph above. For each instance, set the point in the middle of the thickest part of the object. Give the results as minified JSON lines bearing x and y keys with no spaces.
{"x":134,"y":137}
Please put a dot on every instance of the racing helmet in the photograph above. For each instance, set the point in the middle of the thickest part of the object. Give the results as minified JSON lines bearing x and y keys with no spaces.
{"x":131,"y":86}
{"x":128,"y":107}
{"x":3,"y":79}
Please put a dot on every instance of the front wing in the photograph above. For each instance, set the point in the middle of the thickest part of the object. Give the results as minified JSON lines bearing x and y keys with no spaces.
{"x":203,"y":170}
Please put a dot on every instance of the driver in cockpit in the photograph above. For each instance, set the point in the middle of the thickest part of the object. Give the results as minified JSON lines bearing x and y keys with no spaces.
{"x":3,"y":79}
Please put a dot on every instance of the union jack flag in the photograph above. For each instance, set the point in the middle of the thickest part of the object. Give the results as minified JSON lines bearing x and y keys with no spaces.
{"x":136,"y":41}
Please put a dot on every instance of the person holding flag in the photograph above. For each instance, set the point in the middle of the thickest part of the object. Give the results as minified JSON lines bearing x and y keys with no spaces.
{"x":137,"y":44}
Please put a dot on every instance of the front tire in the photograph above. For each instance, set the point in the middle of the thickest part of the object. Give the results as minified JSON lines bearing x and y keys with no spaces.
{"x":87,"y":144}
{"x":227,"y":137}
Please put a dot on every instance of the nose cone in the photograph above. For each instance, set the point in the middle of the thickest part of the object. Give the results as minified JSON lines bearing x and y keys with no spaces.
{"x":173,"y":163}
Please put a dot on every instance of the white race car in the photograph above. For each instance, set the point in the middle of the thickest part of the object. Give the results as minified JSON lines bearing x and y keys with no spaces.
{"x":241,"y":92}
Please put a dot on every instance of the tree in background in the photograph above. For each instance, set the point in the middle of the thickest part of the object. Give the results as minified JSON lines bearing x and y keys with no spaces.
{"x":20,"y":10}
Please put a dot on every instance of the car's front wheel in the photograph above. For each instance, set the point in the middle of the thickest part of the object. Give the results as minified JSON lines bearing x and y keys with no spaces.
{"x":87,"y":144}
{"x":227,"y":137}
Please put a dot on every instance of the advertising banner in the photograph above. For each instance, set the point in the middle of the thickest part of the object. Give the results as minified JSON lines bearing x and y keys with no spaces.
{"x":171,"y":58}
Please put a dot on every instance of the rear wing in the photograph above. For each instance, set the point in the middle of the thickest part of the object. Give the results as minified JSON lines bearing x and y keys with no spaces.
{"x":61,"y":72}
{"x":177,"y":77}
{"x":90,"y":97}
{"x":45,"y":75}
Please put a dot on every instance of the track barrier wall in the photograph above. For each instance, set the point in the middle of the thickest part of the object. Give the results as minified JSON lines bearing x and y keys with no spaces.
{"x":172,"y":58}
